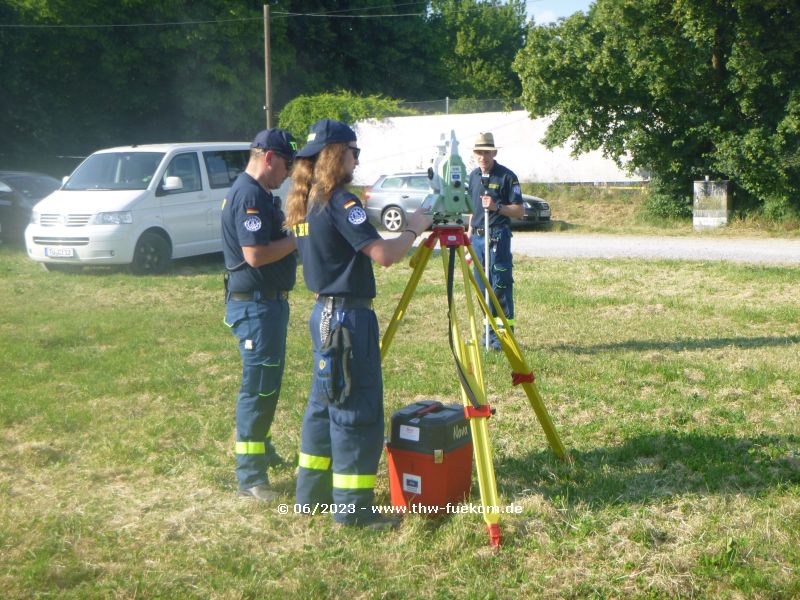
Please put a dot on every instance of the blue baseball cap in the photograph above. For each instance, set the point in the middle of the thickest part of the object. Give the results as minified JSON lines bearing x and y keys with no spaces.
{"x":324,"y":132}
{"x":278,"y":140}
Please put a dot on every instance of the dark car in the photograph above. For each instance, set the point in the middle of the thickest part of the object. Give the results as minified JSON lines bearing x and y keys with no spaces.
{"x":537,"y":211}
{"x":19,"y":192}
{"x":391,"y":197}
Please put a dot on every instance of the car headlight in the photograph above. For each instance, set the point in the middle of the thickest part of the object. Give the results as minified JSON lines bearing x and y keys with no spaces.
{"x":114,"y":218}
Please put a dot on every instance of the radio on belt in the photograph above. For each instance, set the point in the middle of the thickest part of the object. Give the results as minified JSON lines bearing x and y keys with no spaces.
{"x":430,"y":456}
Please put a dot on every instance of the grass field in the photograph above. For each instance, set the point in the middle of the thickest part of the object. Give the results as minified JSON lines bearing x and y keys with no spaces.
{"x":600,"y":209}
{"x":674,"y":385}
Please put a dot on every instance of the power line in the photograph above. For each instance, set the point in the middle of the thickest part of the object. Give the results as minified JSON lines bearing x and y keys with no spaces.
{"x":329,"y":15}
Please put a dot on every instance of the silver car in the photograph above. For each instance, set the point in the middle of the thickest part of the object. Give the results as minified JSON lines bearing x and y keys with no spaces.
{"x":391,"y":197}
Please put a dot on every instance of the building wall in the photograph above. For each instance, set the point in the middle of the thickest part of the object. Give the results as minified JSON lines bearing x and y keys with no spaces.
{"x":409,"y":144}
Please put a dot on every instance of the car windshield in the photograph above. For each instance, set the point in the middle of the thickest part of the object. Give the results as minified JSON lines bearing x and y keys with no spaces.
{"x":115,"y":171}
{"x":32,"y":187}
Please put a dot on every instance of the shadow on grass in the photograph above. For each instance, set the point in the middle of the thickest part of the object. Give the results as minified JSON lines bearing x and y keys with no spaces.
{"x":680,"y":344}
{"x":655,"y":466}
{"x":193,"y":265}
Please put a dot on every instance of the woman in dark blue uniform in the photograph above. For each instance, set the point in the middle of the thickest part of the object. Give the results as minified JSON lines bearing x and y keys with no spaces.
{"x":342,"y":436}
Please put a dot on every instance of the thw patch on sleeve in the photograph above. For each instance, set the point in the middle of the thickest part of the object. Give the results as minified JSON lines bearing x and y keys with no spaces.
{"x":252,"y":223}
{"x":356,"y":215}
{"x":516,"y":190}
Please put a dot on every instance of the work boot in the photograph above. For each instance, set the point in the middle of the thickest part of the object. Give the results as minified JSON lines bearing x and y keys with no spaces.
{"x":261,"y":492}
{"x":379,"y":523}
{"x":273,"y":458}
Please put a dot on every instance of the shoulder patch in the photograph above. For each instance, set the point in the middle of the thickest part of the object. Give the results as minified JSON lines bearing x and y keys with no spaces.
{"x":357,"y":215}
{"x":252,"y":211}
{"x":517,"y":190}
{"x":252,"y":223}
{"x":349,"y":203}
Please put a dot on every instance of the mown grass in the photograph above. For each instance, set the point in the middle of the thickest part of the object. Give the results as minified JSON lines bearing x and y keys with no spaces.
{"x":674,"y":385}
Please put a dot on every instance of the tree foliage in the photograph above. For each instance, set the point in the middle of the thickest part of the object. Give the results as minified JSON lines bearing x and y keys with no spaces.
{"x":680,"y":88}
{"x":192,"y":70}
{"x":301,"y":112}
{"x":478,"y":41}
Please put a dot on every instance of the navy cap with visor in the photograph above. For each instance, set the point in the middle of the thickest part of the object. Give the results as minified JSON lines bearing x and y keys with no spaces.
{"x":277,"y":140}
{"x":324,"y":132}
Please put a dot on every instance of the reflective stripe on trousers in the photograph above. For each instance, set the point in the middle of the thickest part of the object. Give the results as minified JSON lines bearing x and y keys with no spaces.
{"x":261,"y":328}
{"x":341,"y":445}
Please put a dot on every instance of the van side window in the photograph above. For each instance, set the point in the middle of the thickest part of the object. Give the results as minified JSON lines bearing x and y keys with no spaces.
{"x":187,"y":167}
{"x":224,"y":166}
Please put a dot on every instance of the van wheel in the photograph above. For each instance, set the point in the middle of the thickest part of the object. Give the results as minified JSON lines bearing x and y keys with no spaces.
{"x":393,"y":218}
{"x":152,"y":255}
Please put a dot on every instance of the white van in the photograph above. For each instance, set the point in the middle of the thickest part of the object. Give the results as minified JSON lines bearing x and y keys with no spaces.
{"x":140,"y":206}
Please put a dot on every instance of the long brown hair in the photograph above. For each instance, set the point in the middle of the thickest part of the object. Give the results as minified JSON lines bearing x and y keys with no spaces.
{"x":314,"y":181}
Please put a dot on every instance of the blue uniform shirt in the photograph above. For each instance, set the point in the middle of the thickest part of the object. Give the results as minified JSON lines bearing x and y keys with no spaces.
{"x":330,"y":243}
{"x":251,"y":216}
{"x":503,"y":187}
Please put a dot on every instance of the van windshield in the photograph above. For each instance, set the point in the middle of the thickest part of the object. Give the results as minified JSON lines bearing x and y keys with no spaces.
{"x":115,"y":171}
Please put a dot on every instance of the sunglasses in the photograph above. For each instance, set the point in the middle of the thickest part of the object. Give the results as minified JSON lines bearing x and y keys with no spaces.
{"x":286,"y":158}
{"x":356,"y":151}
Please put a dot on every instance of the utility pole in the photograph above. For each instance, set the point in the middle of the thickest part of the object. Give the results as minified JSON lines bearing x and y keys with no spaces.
{"x":267,"y":101}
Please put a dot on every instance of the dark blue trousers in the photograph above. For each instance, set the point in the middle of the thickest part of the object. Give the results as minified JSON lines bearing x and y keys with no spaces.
{"x":261,"y":327}
{"x":501,"y":272}
{"x":341,"y":445}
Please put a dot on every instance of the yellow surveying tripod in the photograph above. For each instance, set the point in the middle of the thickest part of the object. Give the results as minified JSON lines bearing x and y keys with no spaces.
{"x":467,"y":353}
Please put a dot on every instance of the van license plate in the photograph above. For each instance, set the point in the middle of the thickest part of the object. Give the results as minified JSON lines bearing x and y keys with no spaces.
{"x":59,"y":252}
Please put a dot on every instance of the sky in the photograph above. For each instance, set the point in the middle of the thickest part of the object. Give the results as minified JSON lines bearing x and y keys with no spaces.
{"x":546,"y":11}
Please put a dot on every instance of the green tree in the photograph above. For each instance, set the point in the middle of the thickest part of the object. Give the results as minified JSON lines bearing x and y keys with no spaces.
{"x":301,"y":112}
{"x":327,"y":47}
{"x":477,"y":43}
{"x":200,"y":75}
{"x":680,"y":88}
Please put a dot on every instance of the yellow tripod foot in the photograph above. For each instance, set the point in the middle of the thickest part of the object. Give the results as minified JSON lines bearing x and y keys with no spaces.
{"x":468,"y":359}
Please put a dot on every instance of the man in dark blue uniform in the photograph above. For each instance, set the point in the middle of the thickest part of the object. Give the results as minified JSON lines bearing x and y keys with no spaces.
{"x":261,"y":269}
{"x":495,"y":188}
{"x":342,"y":436}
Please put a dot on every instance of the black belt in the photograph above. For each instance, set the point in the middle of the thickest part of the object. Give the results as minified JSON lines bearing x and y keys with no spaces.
{"x":332,"y":303}
{"x":481,"y":231}
{"x":259,"y":295}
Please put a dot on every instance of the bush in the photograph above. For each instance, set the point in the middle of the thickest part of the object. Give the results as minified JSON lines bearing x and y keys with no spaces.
{"x":668,"y":200}
{"x":780,"y":208}
{"x":303,"y":111}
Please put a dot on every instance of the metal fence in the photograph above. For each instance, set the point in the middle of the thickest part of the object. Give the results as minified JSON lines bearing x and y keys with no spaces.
{"x":459,"y":106}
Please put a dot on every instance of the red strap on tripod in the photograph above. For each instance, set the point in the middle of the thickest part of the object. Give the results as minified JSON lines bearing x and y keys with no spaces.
{"x":472,"y":412}
{"x":517,"y":378}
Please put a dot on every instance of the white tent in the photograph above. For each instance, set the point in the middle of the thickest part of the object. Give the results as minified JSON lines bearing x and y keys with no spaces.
{"x":409,"y":144}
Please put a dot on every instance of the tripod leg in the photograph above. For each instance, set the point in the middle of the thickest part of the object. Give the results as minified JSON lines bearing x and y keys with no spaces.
{"x":419,"y":260}
{"x":517,"y":361}
{"x":468,"y":353}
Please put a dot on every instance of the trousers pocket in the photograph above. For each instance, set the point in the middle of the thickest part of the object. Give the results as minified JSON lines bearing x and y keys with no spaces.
{"x":333,"y":360}
{"x":324,"y":384}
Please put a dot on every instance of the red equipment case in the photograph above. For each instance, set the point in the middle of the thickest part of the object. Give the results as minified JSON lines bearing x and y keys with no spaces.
{"x":430,"y":457}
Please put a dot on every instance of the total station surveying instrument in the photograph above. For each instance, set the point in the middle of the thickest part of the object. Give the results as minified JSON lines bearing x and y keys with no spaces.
{"x":448,"y":203}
